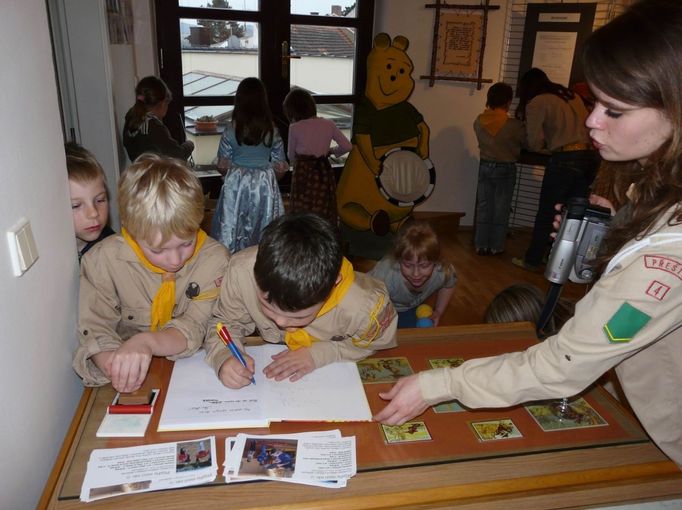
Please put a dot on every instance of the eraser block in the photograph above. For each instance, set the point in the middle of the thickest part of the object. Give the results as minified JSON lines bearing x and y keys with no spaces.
{"x":140,"y":397}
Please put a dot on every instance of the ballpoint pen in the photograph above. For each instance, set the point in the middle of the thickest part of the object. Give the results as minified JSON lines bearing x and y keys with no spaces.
{"x":224,"y":335}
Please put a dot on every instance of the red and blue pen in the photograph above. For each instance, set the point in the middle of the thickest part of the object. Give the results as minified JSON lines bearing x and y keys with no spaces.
{"x":224,"y":335}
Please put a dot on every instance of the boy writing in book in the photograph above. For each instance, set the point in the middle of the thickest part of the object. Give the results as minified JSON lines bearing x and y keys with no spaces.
{"x":296,"y":287}
{"x":149,"y":291}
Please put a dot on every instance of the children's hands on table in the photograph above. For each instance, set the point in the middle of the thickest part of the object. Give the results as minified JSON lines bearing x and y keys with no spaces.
{"x":233,"y":374}
{"x":406,"y":402}
{"x":128,"y":365}
{"x":291,"y":364}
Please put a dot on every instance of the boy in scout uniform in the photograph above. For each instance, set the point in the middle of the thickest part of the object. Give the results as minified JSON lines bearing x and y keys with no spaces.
{"x":149,"y":291}
{"x":297,"y":288}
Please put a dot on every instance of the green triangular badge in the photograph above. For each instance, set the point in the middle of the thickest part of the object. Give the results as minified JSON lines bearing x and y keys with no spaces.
{"x":625,"y":323}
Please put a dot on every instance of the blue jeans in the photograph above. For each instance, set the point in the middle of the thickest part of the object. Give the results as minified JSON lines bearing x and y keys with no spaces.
{"x":493,"y":203}
{"x":568,"y":174}
{"x":407,"y":319}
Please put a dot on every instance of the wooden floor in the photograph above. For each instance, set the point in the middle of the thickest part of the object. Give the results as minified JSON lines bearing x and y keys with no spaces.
{"x":480,"y":278}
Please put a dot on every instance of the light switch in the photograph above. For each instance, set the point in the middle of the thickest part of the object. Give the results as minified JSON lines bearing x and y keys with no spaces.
{"x":22,"y":247}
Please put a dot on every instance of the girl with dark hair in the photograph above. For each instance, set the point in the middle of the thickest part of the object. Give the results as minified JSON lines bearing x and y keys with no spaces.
{"x":250,"y":156}
{"x":313,"y":184}
{"x":630,"y":319}
{"x":144,"y":130}
{"x":555,"y":124}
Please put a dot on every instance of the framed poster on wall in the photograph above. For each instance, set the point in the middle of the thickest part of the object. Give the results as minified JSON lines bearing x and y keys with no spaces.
{"x":552,"y":37}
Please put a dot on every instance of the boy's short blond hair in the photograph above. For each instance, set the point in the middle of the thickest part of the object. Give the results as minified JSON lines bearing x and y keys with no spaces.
{"x":160,"y":195}
{"x":81,"y":165}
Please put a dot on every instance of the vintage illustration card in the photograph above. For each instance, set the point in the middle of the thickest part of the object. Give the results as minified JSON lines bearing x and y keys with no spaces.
{"x":407,"y":432}
{"x":446,"y":362}
{"x":381,"y":370}
{"x":551,"y":416}
{"x":493,"y":430}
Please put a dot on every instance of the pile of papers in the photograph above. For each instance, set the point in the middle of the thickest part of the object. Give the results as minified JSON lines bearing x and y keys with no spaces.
{"x":117,"y":471}
{"x":323,"y":459}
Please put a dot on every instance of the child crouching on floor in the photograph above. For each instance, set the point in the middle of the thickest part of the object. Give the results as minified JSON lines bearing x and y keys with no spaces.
{"x":414,"y":271}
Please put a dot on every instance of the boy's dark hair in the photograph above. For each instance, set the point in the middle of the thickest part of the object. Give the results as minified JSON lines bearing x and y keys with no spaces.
{"x":499,"y":95}
{"x":298,"y":262}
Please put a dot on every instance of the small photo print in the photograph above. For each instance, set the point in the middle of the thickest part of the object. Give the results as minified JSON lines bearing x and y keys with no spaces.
{"x":446,"y":362}
{"x":494,"y":430}
{"x":406,"y":433}
{"x":192,"y":455}
{"x":273,"y":457}
{"x":552,"y":416}
{"x":381,"y":370}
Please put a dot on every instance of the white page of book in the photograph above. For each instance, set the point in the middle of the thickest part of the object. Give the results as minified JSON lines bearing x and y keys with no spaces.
{"x":197,"y":400}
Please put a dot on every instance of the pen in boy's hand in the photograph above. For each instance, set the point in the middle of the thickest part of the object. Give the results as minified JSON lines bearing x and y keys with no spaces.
{"x":224,"y":335}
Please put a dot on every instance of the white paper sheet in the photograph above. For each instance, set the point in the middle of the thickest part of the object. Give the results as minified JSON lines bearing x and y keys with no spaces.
{"x":197,"y":400}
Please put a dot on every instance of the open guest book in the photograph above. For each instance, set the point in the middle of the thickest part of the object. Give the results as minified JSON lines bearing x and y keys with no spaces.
{"x":197,"y":400}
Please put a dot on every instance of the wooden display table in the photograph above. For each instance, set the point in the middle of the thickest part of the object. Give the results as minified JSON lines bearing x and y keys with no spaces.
{"x":562,"y":469}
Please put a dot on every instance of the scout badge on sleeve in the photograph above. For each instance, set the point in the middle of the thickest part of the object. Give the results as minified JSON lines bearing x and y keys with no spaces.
{"x":625,"y":323}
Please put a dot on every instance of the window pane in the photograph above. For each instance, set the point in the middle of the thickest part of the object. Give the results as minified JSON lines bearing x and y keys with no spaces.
{"x":342,"y":115}
{"x":327,"y":58}
{"x":242,"y":5}
{"x":217,"y":55}
{"x":324,"y":8}
{"x":205,"y":143}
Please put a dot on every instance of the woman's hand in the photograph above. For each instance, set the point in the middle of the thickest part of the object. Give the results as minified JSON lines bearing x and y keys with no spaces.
{"x":593,"y":199}
{"x":602,"y":202}
{"x":406,"y":402}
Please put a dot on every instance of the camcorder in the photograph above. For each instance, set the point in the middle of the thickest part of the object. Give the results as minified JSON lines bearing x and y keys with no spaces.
{"x":583,"y":227}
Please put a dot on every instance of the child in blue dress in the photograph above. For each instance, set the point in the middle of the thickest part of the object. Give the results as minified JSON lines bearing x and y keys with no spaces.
{"x":250,"y":155}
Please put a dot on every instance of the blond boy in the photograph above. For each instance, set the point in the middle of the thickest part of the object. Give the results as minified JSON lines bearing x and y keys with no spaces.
{"x":149,"y":291}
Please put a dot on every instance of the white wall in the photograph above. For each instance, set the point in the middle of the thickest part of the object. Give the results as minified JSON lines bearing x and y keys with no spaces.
{"x":449,"y":108}
{"x":39,"y":391}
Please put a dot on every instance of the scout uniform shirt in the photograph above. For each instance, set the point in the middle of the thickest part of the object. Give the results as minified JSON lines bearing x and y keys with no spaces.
{"x":116,"y":292}
{"x":630,"y":318}
{"x":362,"y":322}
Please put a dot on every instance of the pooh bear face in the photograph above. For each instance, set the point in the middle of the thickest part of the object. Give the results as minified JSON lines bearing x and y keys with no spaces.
{"x":389,"y":72}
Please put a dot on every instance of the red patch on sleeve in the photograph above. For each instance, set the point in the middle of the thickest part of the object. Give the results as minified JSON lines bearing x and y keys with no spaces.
{"x":657,"y":290}
{"x":667,"y":264}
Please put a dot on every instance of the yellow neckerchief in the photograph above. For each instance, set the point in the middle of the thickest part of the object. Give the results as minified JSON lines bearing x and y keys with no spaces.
{"x":164,"y":301}
{"x":493,"y":120}
{"x":300,"y":337}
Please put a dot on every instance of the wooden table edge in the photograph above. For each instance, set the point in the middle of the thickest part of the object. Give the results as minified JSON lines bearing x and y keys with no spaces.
{"x":65,"y":453}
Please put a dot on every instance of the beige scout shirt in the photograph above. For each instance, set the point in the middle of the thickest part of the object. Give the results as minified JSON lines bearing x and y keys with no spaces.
{"x":552,"y":122}
{"x":116,"y":292}
{"x":646,"y":275}
{"x":365,"y":316}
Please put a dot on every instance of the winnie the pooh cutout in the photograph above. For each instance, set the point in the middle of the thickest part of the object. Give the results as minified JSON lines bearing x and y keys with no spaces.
{"x":388,"y":171}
